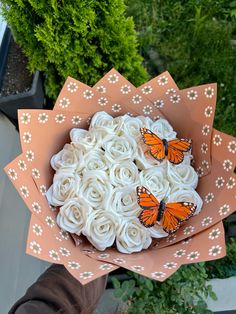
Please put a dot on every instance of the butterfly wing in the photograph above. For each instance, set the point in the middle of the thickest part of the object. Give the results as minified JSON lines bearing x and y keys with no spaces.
{"x":157,"y":148}
{"x":176,"y":148}
{"x":175,"y":214}
{"x":149,"y":204}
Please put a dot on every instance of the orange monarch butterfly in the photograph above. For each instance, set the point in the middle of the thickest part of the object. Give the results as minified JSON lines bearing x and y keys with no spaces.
{"x":170,"y":215}
{"x":159,"y":149}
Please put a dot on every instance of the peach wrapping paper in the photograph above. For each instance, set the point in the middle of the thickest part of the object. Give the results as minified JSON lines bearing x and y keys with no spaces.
{"x":190,"y":112}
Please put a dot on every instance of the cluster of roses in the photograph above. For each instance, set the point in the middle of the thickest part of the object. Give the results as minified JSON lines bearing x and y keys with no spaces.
{"x":97,"y":175}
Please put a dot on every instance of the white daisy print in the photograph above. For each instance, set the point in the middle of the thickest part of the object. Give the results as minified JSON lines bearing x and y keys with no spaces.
{"x":175,"y":98}
{"x":37,"y":230}
{"x":103,"y":255}
{"x":50,"y":221}
{"x":73,"y":265}
{"x":227,"y":165}
{"x":64,"y":234}
{"x":159,"y":103}
{"x":206,"y":221}
{"x":224,"y":210}
{"x":12,"y":174}
{"x":27,"y":137}
{"x":43,"y":189}
{"x":125,"y":89}
{"x":231,"y":183}
{"x":220,"y":182}
{"x":25,"y":118}
{"x":116,"y":108}
{"x":200,"y":171}
{"x":209,"y":197}
{"x":43,"y":118}
{"x":106,"y":267}
{"x":35,"y":247}
{"x":170,"y":265}
{"x":171,"y":238}
{"x":64,"y":102}
{"x":147,"y":110}
{"x":180,"y":253}
{"x":192,"y":94}
{"x":102,"y":101}
{"x":88,"y":94}
{"x":35,"y":173}
{"x":204,"y":148}
{"x":217,"y":139}
{"x":209,"y":92}
{"x":22,"y":165}
{"x":158,"y":274}
{"x":170,"y":91}
{"x":215,"y":250}
{"x":208,"y":111}
{"x":36,"y":207}
{"x":130,"y":114}
{"x":214,"y":234}
{"x":64,"y":251}
{"x":60,"y":118}
{"x":113,"y":78}
{"x":76,"y":120}
{"x":72,"y":87}
{"x":101,"y":89}
{"x":156,"y":118}
{"x":193,"y":255}
{"x":24,"y":191}
{"x":205,"y":129}
{"x":146,"y":90}
{"x":163,"y":80}
{"x":54,"y":255}
{"x":188,"y":230}
{"x":29,"y":155}
{"x":137,"y":99}
{"x":205,"y":164}
{"x":86,"y":275}
{"x":137,"y":268}
{"x":232,"y":147}
{"x":119,"y":260}
{"x":186,"y":241}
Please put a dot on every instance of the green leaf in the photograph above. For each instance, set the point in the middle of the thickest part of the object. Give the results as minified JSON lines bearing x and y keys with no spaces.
{"x":115,"y":282}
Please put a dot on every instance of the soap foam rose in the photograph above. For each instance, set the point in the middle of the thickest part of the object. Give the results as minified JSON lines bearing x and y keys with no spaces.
{"x":163,"y":129}
{"x":95,"y":160}
{"x":182,"y":175}
{"x":124,"y":174}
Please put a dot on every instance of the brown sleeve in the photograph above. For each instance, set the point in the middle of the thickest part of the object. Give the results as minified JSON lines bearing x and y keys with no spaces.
{"x":57,"y":291}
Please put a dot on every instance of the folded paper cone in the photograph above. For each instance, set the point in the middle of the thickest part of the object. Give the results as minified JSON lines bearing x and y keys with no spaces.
{"x":191,"y":112}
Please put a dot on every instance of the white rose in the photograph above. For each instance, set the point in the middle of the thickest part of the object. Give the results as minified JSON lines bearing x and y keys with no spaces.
{"x":124,"y":174}
{"x":100,"y":228}
{"x":95,"y":160}
{"x":182,"y":175}
{"x":131,"y":236}
{"x":132,"y":125}
{"x":163,"y":129}
{"x":186,"y":194}
{"x":124,"y":202}
{"x":154,"y":179}
{"x":102,"y":119}
{"x":120,"y":148}
{"x":96,"y":188}
{"x":157,"y":232}
{"x":65,"y":186}
{"x":73,"y":215}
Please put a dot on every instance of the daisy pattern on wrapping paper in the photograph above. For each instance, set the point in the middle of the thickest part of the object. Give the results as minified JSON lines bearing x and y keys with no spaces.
{"x":35,"y":173}
{"x":158,"y":274}
{"x":175,"y":98}
{"x":72,"y":87}
{"x":50,"y":221}
{"x":54,"y":255}
{"x":209,"y":92}
{"x":206,"y":221}
{"x":146,"y":90}
{"x":220,"y":182}
{"x":116,"y":108}
{"x":64,"y":102}
{"x":36,"y":207}
{"x":22,"y":165}
{"x":232,"y":147}
{"x":101,"y":89}
{"x":200,"y":171}
{"x":159,"y":103}
{"x":102,"y":101}
{"x":192,"y":94}
{"x":37,"y":230}
{"x":113,"y":78}
{"x":170,"y":91}
{"x":64,"y":234}
{"x":86,"y":275}
{"x":88,"y":94}
{"x":224,"y":209}
{"x":208,"y":111}
{"x":180,"y":253}
{"x":205,"y":164}
{"x":231,"y":183}
{"x":171,"y":238}
{"x":43,"y":118}
{"x":27,"y":137}
{"x":73,"y":265}
{"x":76,"y":120}
{"x":217,"y":140}
{"x":106,"y":266}
{"x":186,"y":241}
{"x":12,"y":174}
{"x":119,"y":260}
{"x":43,"y":189}
{"x":209,"y":197}
{"x":137,"y":99}
{"x":205,"y":129}
{"x":29,"y":155}
{"x":125,"y":89}
{"x":163,"y":80}
{"x":215,"y":250}
{"x":170,"y":265}
{"x":214,"y":234}
{"x":64,"y":251}
{"x":204,"y":148}
{"x":24,"y":191}
{"x":25,"y":118}
{"x":35,"y":247}
{"x":227,"y":165}
{"x":193,"y":255}
{"x":103,"y":255}
{"x":188,"y":230}
{"x":147,"y":110}
{"x":137,"y":268}
{"x":60,"y":118}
